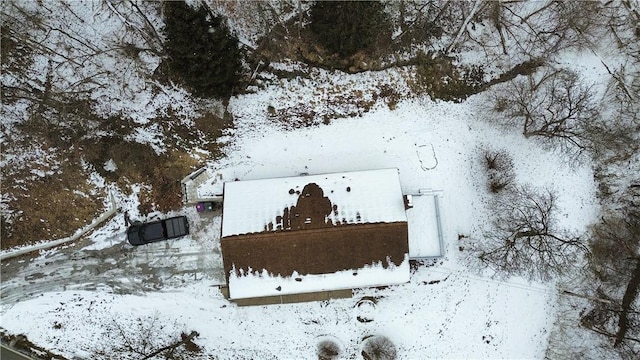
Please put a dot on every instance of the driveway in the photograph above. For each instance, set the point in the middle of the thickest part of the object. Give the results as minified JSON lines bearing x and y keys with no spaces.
{"x":115,"y":266}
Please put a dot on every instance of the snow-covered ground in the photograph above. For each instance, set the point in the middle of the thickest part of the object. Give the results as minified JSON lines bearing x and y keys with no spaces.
{"x":461,"y":316}
{"x":445,"y":311}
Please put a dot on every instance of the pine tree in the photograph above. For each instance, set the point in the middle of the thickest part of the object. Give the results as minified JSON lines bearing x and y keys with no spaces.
{"x":346,"y":27}
{"x":201,"y":50}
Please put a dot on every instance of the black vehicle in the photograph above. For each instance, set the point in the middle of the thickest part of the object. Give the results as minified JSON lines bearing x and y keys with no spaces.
{"x":144,"y":233}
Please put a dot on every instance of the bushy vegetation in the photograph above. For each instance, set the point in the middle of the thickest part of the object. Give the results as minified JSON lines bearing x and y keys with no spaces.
{"x":346,"y":27}
{"x":328,"y":349}
{"x":499,"y":166}
{"x":441,"y":79}
{"x":201,"y":50}
{"x":378,"y":347}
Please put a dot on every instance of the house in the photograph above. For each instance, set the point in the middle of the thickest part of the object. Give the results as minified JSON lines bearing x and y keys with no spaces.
{"x":313,"y":237}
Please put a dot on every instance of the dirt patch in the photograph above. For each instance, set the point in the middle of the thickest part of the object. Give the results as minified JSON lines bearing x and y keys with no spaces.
{"x":440,"y":78}
{"x":51,"y":206}
{"x":137,"y":163}
{"x":338,"y":101}
{"x":203,"y":133}
{"x":48,"y":195}
{"x":326,"y":105}
{"x":335,"y":102}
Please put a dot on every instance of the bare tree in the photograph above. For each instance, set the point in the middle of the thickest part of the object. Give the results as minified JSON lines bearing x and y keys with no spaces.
{"x":615,"y":261}
{"x":524,"y":237}
{"x":554,"y":106}
{"x":78,"y":61}
{"x":149,"y":338}
{"x":418,"y":21}
{"x":525,"y":30}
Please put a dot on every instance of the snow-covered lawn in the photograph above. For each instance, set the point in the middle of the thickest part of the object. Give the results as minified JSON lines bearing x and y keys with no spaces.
{"x":445,"y":311}
{"x":461,"y":316}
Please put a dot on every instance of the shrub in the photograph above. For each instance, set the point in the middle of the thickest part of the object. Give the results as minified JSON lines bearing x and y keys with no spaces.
{"x":499,"y":166}
{"x":328,"y":349}
{"x":379,"y":348}
{"x":201,"y":50}
{"x":554,"y":106}
{"x":346,"y":27}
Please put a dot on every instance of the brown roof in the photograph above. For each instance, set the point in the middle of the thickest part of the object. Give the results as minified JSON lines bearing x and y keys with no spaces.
{"x":317,"y":251}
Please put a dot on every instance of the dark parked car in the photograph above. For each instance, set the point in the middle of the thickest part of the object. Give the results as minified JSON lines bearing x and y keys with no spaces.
{"x":144,"y":233}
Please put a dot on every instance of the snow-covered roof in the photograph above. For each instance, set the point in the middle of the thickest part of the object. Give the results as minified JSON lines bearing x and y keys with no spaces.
{"x":360,"y":197}
{"x":424,"y":236}
{"x":264,"y":284}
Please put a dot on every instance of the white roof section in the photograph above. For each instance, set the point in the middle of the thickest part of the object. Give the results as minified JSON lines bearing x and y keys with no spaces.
{"x":260,"y":285}
{"x":424,"y":238}
{"x":372,"y":196}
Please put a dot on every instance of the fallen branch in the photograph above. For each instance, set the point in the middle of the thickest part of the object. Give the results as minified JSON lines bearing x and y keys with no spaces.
{"x":463,"y":28}
{"x":171,"y":348}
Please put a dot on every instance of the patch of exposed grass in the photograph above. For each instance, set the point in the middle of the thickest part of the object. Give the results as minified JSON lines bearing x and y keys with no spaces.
{"x":334,"y":102}
{"x":441,"y":79}
{"x":48,"y":207}
{"x":139,"y":164}
{"x":203,"y":134}
{"x":49,"y":196}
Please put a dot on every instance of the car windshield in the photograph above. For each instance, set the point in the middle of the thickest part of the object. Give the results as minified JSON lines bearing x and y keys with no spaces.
{"x":152,"y":231}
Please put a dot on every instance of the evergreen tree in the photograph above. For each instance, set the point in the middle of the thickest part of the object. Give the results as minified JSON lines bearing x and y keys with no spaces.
{"x":201,"y":50}
{"x":345,"y":27}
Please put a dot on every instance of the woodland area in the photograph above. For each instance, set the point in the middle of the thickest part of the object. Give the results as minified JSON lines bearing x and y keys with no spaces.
{"x":84,"y":86}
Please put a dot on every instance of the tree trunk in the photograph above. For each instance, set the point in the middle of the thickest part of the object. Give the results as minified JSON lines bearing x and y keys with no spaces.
{"x":628,"y":299}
